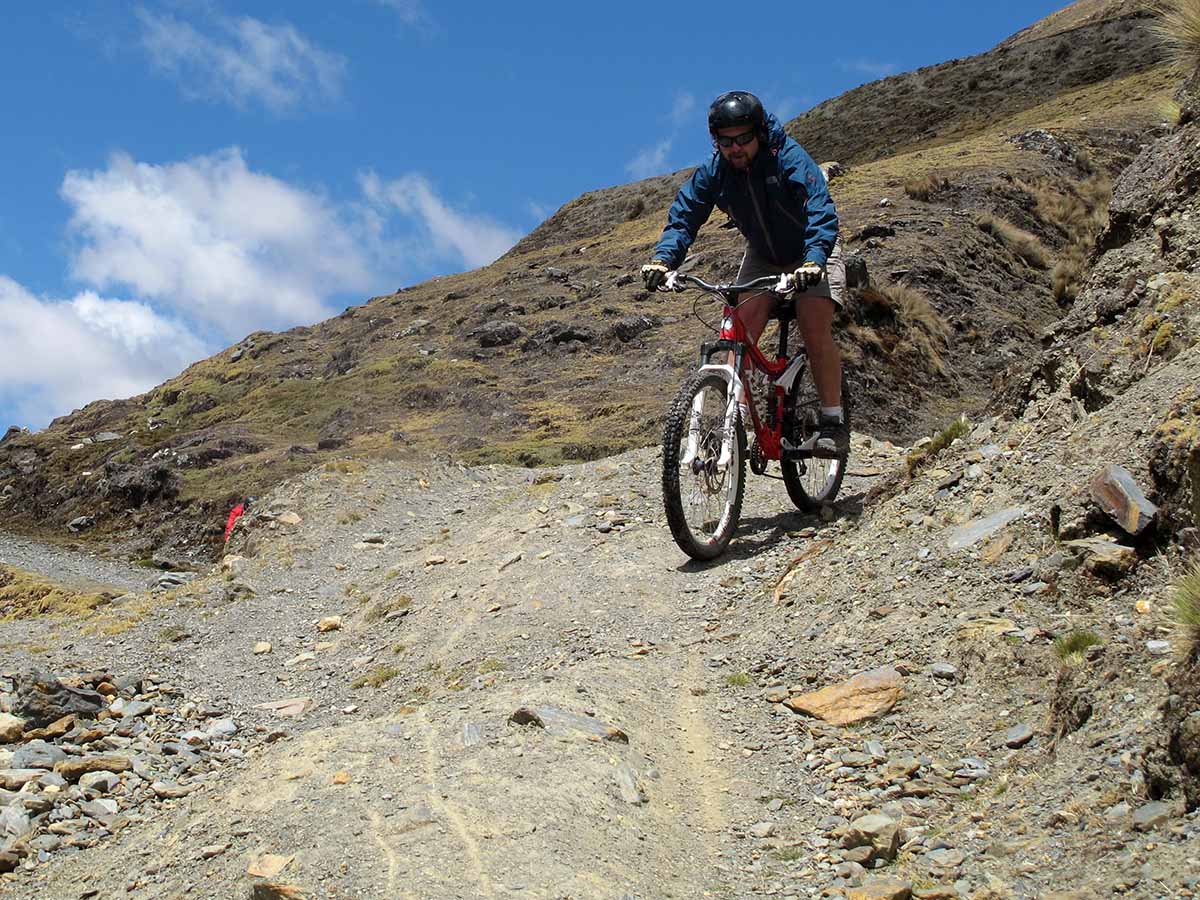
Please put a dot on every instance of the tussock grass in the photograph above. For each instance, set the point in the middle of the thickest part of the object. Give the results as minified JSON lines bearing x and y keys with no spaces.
{"x":938,"y":442}
{"x":923,"y":332}
{"x":737,"y":679}
{"x":377,"y":677}
{"x":924,"y":187}
{"x":1185,"y":600}
{"x":24,"y":595}
{"x":1080,"y":212}
{"x":1020,"y":243}
{"x":1178,"y":26}
{"x":1071,"y":647}
{"x":379,"y":610}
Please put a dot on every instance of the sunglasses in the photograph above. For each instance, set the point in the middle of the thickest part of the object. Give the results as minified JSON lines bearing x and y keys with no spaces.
{"x":740,"y":139}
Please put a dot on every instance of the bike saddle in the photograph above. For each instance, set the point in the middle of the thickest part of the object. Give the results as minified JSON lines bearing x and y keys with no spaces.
{"x":783,"y":309}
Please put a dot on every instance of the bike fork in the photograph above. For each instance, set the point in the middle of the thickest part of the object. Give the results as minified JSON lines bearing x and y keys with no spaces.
{"x":735,"y":394}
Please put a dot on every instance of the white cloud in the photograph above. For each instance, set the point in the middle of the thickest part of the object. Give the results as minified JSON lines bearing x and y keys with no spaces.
{"x":410,"y":12}
{"x":215,"y":241}
{"x":650,"y":160}
{"x":56,"y":355}
{"x":873,"y":68}
{"x":681,"y":109}
{"x":540,"y":211}
{"x":474,"y":239}
{"x":242,"y":61}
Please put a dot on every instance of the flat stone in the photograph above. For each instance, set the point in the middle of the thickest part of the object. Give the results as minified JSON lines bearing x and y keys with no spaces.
{"x":857,"y":760}
{"x":944,"y":671}
{"x":135,"y":708}
{"x":103,"y":810}
{"x":11,"y":728}
{"x":561,"y":723}
{"x":1105,"y":557}
{"x":14,"y":821}
{"x":171,"y":791}
{"x":865,"y":696}
{"x":1151,"y":816}
{"x":221,"y":728}
{"x":762,"y":829}
{"x":100,"y":782}
{"x":881,"y":889}
{"x":944,"y":859}
{"x":75,"y":768}
{"x":973,"y":532}
{"x":880,"y":833}
{"x":15,"y":779}
{"x":1114,"y":491}
{"x":37,"y":755}
{"x":627,"y":784}
{"x":1018,"y":736}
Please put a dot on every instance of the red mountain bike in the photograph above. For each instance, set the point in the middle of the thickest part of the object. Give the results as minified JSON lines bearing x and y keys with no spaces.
{"x":704,"y":442}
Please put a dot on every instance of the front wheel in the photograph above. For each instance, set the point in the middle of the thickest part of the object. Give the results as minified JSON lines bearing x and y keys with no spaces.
{"x":701,"y":492}
{"x":815,"y":480}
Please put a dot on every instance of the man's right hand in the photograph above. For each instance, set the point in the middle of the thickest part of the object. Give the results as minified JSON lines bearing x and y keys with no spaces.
{"x":653,"y":274}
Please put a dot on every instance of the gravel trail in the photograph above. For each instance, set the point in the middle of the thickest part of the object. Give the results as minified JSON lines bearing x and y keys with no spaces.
{"x":72,"y":567}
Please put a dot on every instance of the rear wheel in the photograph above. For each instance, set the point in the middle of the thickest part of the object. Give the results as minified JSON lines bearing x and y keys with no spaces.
{"x":811,"y":481}
{"x":703,"y":500}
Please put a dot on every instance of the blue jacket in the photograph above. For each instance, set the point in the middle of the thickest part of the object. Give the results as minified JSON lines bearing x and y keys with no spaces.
{"x":781,"y":205}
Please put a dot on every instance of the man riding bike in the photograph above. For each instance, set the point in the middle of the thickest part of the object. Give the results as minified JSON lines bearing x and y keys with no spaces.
{"x":778,"y":198}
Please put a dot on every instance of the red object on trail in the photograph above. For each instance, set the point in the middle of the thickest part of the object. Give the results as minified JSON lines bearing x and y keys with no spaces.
{"x":234,"y":515}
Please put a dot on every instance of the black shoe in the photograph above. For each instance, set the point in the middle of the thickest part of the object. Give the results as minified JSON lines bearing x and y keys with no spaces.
{"x":832,"y":439}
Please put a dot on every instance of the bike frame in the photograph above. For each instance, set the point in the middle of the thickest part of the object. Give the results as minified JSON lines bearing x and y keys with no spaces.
{"x":782,"y":371}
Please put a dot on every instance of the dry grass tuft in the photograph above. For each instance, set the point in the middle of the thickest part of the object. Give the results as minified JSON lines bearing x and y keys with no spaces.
{"x":1186,"y":602}
{"x":1070,"y":648}
{"x":1080,"y":212}
{"x":1021,"y":243}
{"x":922,"y":330}
{"x":938,"y":442}
{"x":377,"y":677}
{"x":924,"y":187}
{"x":1179,"y":27}
{"x":383,"y":607}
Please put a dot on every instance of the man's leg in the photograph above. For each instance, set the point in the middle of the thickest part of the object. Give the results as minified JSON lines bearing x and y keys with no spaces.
{"x":815,"y":317}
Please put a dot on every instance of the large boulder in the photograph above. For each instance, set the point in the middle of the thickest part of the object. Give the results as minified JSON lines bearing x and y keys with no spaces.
{"x":43,"y":699}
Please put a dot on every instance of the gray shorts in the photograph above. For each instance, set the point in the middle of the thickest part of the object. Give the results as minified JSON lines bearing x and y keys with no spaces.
{"x":833,"y":285}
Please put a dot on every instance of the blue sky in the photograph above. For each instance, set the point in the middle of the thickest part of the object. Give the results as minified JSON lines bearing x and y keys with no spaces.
{"x":180,"y":173}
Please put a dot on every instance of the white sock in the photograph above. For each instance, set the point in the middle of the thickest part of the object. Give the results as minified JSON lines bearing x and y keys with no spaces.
{"x":832,"y":412}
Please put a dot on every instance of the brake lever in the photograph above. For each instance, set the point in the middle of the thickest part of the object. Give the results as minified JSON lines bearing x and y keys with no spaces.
{"x":787,"y":283}
{"x":669,"y":283}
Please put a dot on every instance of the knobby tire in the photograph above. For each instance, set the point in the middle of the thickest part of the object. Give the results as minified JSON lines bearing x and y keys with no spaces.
{"x":680,"y":488}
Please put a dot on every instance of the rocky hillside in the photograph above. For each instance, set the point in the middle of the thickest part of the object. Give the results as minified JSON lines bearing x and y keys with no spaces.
{"x":964,"y":679}
{"x":973,"y":213}
{"x":975,"y":675}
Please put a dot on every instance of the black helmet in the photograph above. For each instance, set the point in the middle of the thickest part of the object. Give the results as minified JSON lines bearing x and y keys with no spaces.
{"x":736,"y":108}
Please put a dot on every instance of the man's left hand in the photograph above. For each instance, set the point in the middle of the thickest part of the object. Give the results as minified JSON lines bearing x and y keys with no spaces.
{"x":809,"y":275}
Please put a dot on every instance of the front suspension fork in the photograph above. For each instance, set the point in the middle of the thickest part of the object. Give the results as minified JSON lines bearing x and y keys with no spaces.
{"x":736,"y":394}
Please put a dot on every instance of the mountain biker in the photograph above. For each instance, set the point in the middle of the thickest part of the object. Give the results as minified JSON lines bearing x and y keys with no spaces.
{"x":778,"y":198}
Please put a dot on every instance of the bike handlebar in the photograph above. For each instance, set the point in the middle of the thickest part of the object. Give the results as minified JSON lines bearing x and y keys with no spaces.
{"x":780,"y":284}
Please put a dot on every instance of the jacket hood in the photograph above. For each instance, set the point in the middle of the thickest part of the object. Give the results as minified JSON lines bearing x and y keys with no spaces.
{"x":775,"y":133}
